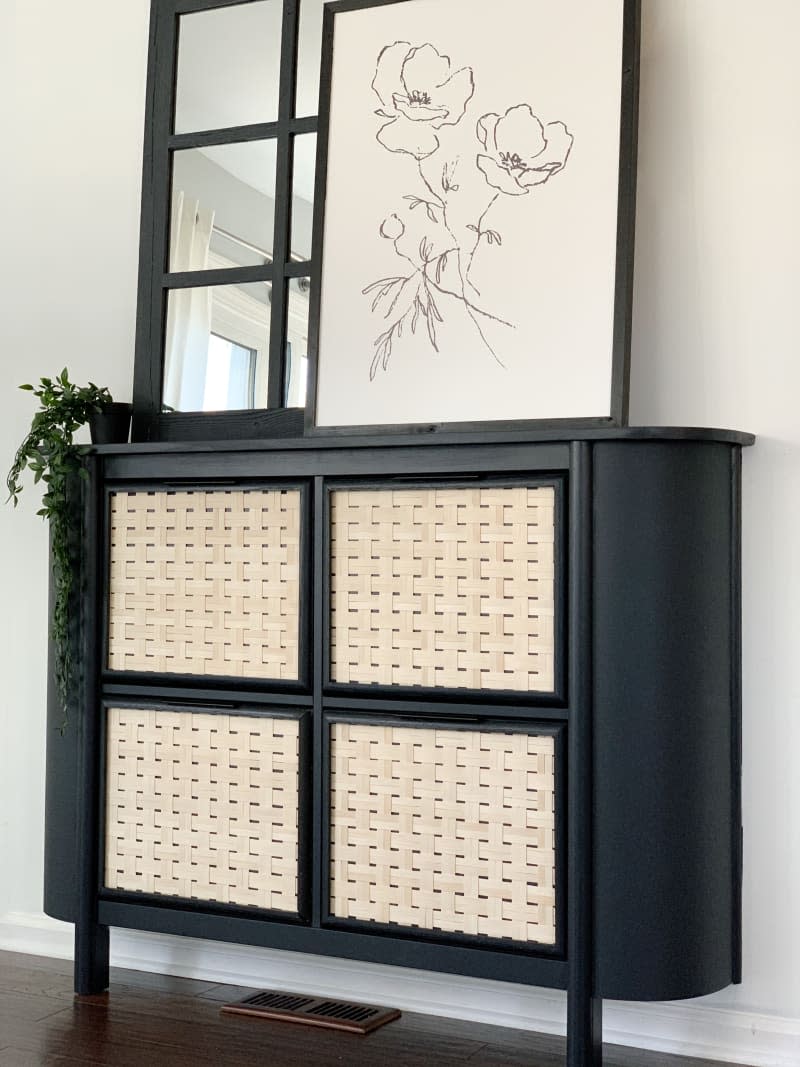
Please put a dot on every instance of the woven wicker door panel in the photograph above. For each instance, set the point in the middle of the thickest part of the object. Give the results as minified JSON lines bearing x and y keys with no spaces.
{"x":205,"y":583}
{"x":447,"y":830}
{"x":203,"y":806}
{"x":444,"y":587}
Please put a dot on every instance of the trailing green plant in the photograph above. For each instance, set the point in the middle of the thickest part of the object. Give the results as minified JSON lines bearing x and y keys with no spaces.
{"x":50,"y":455}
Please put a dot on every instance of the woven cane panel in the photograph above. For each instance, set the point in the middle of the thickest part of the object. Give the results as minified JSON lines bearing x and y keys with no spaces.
{"x":443,"y":587}
{"x":205,"y":583}
{"x":203,"y":806}
{"x":445,"y":830}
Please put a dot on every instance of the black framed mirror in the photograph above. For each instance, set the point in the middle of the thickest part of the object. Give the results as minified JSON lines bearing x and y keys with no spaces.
{"x":227,"y":210}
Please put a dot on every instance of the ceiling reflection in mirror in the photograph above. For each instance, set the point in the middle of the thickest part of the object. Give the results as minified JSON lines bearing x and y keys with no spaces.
{"x":223,"y":206}
{"x":228,"y":67}
{"x":305,"y":155}
{"x":309,"y":51}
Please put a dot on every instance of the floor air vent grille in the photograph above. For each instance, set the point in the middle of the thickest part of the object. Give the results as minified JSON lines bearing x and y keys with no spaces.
{"x":313,"y":1011}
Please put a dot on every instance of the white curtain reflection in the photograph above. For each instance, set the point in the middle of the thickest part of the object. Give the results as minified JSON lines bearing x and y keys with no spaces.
{"x":189,"y":311}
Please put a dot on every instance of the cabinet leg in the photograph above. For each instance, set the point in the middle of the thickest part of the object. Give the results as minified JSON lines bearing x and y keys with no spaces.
{"x":91,"y":958}
{"x":584,"y":1030}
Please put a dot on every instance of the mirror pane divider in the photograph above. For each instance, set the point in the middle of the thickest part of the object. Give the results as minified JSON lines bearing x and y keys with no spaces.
{"x":259,"y":131}
{"x":276,"y":378}
{"x":222,"y":276}
{"x":300,"y":268}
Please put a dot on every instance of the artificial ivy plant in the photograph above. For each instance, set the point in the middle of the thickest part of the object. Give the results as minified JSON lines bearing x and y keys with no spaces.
{"x":49,"y":454}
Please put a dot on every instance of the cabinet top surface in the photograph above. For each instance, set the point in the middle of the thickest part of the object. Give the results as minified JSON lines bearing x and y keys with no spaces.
{"x":437,"y":436}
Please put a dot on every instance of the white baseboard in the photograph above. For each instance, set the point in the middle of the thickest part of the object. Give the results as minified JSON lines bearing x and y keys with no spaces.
{"x":733,"y":1036}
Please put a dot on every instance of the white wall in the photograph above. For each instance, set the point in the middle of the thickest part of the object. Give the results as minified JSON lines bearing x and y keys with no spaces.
{"x":715,"y":343}
{"x":72,"y":82}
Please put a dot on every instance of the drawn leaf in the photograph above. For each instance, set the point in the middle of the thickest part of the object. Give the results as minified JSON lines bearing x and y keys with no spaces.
{"x":494,"y":237}
{"x":380,"y":296}
{"x":415,"y":316}
{"x":431,"y":331}
{"x":379,"y":282}
{"x":431,"y":214}
{"x":433,"y":308}
{"x":473,"y":228}
{"x":396,"y":297}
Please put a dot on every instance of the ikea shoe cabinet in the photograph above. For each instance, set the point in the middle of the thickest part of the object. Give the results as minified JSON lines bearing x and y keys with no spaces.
{"x":463,"y":703}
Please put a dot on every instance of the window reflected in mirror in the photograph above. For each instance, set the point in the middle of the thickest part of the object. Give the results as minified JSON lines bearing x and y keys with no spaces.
{"x":223,"y":206}
{"x":216,"y":347}
{"x":228,"y":66}
{"x":303,"y":174}
{"x":216,"y":350}
{"x":297,"y":343}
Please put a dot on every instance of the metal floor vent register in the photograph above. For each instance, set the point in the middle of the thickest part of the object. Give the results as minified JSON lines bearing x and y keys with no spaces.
{"x":313,"y":1011}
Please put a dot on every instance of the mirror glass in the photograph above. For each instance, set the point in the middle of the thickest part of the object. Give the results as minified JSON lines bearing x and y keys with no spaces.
{"x":305,"y":157}
{"x":309,"y":52}
{"x":297,"y":343}
{"x":228,"y":66}
{"x":216,"y":348}
{"x":223,"y":206}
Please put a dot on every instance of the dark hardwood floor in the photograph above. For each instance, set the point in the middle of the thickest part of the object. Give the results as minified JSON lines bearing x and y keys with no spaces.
{"x":157,"y":1021}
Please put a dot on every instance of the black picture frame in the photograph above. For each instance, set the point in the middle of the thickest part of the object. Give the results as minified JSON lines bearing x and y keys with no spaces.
{"x":623,"y":288}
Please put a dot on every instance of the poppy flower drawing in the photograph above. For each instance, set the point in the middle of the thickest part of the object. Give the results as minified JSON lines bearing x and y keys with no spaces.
{"x":521,"y":152}
{"x":419,"y":94}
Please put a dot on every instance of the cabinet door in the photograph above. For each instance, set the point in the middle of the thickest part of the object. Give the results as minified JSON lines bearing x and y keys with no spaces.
{"x":203,"y":806}
{"x":206,"y":582}
{"x":449,"y":831}
{"x":444,"y":587}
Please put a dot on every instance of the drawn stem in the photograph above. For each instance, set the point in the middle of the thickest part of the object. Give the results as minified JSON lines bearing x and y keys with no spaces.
{"x":468,"y":303}
{"x":478,"y":237}
{"x":441,"y":203}
{"x":462,"y":296}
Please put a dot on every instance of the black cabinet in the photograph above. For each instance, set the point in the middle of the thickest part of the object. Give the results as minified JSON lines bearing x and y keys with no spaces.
{"x":470,"y":705}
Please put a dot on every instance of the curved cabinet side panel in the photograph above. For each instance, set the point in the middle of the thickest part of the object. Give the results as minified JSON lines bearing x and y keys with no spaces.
{"x":61,"y":784}
{"x":663,"y":720}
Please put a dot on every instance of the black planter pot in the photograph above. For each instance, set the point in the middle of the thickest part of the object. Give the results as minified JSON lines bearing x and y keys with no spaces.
{"x":112,"y":425}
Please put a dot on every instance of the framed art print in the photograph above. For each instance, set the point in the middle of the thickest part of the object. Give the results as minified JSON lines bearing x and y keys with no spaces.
{"x":474,"y":213}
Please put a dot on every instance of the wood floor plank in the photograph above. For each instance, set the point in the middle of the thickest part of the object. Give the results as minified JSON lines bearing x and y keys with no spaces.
{"x":150,"y":1020}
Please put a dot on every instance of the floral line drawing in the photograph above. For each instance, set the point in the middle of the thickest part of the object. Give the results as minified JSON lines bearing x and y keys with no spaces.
{"x":420,"y":95}
{"x":417,"y":292}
